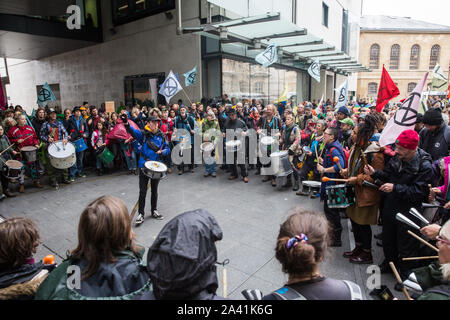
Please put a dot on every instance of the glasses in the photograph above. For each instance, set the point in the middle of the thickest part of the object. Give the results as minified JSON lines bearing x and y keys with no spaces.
{"x":328,"y":134}
{"x":439,"y":238}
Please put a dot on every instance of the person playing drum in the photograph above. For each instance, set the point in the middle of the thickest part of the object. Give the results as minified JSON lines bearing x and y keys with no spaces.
{"x":6,"y":154}
{"x":78,"y":129}
{"x":23,"y":136}
{"x":51,"y":131}
{"x":235,"y":124}
{"x":153,"y":148}
{"x":290,"y":140}
{"x":210,"y":123}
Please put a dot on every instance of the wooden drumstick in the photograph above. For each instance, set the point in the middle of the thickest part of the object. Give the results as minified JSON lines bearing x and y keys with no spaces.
{"x":423,"y":241}
{"x":13,"y":145}
{"x":326,"y":179}
{"x":420,"y":258}
{"x":224,"y":282}
{"x":336,"y":160}
{"x":399,"y":280}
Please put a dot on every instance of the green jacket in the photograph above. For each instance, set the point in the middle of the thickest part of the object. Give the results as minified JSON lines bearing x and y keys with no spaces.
{"x":112,"y":281}
{"x":4,"y":143}
{"x":431,"y":281}
{"x":210,"y":125}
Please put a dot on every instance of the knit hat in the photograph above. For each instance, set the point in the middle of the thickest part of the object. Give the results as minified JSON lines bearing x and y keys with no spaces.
{"x":433,"y":117}
{"x":419,"y":118}
{"x":344,"y":110}
{"x":408,"y":139}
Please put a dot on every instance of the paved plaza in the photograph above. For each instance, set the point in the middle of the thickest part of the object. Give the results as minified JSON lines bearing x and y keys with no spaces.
{"x":249,"y":215}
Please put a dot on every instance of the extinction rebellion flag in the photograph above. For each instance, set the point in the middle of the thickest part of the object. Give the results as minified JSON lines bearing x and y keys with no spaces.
{"x":170,"y":87}
{"x":269,"y":56}
{"x":45,"y":95}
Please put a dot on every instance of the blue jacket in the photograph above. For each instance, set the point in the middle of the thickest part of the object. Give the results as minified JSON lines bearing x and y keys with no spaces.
{"x":142,"y":147}
{"x":328,"y":162}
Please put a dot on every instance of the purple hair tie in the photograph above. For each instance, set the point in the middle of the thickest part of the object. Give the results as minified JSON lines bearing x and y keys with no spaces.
{"x":292,"y":242}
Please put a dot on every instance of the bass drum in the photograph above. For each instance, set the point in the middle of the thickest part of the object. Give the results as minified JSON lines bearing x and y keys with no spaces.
{"x":62,"y":156}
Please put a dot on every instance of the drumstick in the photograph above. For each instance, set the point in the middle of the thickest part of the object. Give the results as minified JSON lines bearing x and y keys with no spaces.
{"x":336,"y":160}
{"x":326,"y":179}
{"x":399,"y":280}
{"x":137,"y":204}
{"x":13,"y":145}
{"x":224,"y":282}
{"x":420,"y":258}
{"x":421,"y":240}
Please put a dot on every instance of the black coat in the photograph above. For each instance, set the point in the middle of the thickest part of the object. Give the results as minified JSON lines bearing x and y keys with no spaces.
{"x":410,"y":181}
{"x":434,"y":142}
{"x":74,"y":132}
{"x":181,"y":261}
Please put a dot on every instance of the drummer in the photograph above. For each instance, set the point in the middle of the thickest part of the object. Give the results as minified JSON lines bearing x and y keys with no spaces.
{"x":270,"y":122}
{"x":154,"y":147}
{"x":210,"y":123}
{"x":6,"y":155}
{"x":23,"y":135}
{"x":290,"y":140}
{"x":78,"y":129}
{"x":235,"y":124}
{"x":51,"y":131}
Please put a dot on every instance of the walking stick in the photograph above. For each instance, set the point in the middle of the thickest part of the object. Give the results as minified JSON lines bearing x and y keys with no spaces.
{"x":420,"y":258}
{"x":399,"y":280}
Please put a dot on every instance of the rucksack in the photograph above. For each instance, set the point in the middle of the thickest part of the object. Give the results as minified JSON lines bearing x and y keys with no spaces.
{"x":346,"y":155}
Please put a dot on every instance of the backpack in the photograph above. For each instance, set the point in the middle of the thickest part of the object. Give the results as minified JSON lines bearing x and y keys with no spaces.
{"x":346,"y":153}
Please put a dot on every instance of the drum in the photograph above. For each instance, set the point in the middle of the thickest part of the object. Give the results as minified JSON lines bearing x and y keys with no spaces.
{"x":280,"y":163}
{"x":340,"y":196}
{"x":105,"y":155}
{"x":233,"y":145}
{"x":13,"y":169}
{"x":265,"y":143}
{"x":154,"y":169}
{"x":80,"y":145}
{"x":29,"y":154}
{"x":61,"y":156}
{"x":207,"y":146}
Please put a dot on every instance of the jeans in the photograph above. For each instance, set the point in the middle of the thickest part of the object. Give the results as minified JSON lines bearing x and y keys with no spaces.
{"x":211,"y":168}
{"x":143,"y":182}
{"x":78,"y":166}
{"x":131,"y":161}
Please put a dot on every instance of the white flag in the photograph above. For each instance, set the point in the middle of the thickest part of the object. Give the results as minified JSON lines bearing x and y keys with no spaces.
{"x":269,"y":56}
{"x":342,"y":94}
{"x":170,"y":87}
{"x":405,"y":117}
{"x":314,"y":70}
{"x":319,"y":108}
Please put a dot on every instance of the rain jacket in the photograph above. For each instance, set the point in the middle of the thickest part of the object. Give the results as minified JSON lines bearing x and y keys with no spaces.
{"x":181,"y":261}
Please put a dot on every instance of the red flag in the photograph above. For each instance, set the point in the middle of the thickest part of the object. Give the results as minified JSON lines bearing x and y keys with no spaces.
{"x":2,"y":97}
{"x":387,"y":91}
{"x":448,"y":96}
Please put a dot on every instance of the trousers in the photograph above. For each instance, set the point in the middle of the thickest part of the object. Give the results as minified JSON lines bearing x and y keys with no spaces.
{"x":143,"y":182}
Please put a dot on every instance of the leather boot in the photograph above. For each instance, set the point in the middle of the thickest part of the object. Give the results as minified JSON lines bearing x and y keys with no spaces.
{"x":356,"y":251}
{"x":296,"y":185}
{"x":365,"y":257}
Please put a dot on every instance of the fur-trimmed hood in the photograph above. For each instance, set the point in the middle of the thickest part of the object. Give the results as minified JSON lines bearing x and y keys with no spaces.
{"x":25,"y":290}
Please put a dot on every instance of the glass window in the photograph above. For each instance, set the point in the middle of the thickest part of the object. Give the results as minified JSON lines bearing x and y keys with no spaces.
{"x":434,"y":57}
{"x":324,"y":14}
{"x":129,"y":10}
{"x":415,"y":57}
{"x":411,"y":86}
{"x":373,"y":89}
{"x":374,"y":56}
{"x":236,"y":79}
{"x":259,"y":82}
{"x":395,"y":57}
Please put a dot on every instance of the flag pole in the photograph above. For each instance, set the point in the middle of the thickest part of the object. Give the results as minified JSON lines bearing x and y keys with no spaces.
{"x":186,"y":95}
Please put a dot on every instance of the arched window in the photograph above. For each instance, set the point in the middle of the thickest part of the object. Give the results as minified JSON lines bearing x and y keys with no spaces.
{"x":434,"y":57}
{"x":374,"y":56}
{"x":373,"y":89}
{"x":411,"y":86}
{"x":414,"y":60}
{"x":395,"y":57}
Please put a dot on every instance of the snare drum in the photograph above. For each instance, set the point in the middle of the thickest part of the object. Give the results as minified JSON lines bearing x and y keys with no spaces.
{"x":266,"y":143}
{"x":29,"y":153}
{"x":340,"y":196}
{"x":80,"y":145}
{"x":154,"y":169}
{"x":233,"y":145}
{"x":313,"y":186}
{"x":280,"y":163}
{"x":13,"y":169}
{"x":61,"y":156}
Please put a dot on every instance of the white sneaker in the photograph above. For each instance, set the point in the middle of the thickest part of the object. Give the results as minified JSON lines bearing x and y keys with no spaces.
{"x":156,"y":215}
{"x":139,"y":219}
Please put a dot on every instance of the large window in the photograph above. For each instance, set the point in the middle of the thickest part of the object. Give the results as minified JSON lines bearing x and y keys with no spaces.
{"x":415,"y":57}
{"x":395,"y":57}
{"x":242,"y":80}
{"x":434,"y":57}
{"x":374,"y":56}
{"x":411,"y":86}
{"x":129,"y":10}
{"x":373,"y":89}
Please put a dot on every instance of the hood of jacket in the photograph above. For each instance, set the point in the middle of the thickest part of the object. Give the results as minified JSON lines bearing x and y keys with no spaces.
{"x":181,"y":261}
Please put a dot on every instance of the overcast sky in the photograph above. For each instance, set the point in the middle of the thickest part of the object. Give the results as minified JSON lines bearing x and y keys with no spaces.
{"x":434,"y":11}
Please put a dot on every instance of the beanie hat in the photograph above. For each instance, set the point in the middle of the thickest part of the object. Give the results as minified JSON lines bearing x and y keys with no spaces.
{"x":344,"y":110}
{"x":408,"y":139}
{"x":433,"y":117}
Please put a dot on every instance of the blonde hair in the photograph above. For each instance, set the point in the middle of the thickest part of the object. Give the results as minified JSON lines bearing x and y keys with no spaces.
{"x":445,"y":268}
